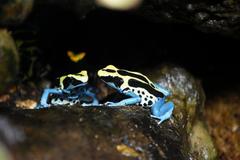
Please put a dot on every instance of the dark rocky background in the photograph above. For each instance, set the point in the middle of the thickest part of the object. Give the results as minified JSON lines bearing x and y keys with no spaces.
{"x":133,"y":40}
{"x":199,"y":36}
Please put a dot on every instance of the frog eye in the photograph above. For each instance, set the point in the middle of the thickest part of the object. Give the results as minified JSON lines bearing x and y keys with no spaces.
{"x":117,"y":81}
{"x":109,"y":70}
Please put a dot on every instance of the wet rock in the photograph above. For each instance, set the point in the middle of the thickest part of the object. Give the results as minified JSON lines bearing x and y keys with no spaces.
{"x":9,"y":59}
{"x":187,"y":93}
{"x":201,"y":142}
{"x":13,"y":12}
{"x":95,"y":133}
{"x":189,"y":98}
{"x":223,"y":119}
{"x":209,"y":16}
{"x":9,"y":135}
{"x":4,"y":153}
{"x":79,"y":7}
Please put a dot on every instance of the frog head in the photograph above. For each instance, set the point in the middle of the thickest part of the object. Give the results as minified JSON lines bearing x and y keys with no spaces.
{"x":123,"y":80}
{"x":71,"y":81}
{"x":111,"y":77}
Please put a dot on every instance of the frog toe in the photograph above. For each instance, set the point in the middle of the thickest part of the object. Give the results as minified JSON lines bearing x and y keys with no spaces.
{"x":40,"y":106}
{"x":163,"y":112}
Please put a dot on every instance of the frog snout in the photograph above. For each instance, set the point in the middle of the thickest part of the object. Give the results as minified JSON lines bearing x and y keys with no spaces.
{"x":100,"y":73}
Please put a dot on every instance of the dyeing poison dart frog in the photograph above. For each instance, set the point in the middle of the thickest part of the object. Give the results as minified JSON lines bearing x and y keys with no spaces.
{"x":140,"y":89}
{"x":73,"y":88}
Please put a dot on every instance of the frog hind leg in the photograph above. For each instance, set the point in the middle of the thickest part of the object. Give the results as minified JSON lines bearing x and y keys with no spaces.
{"x":134,"y":99}
{"x":94,"y":102}
{"x":80,"y":96}
{"x":44,"y":98}
{"x":161,"y":110}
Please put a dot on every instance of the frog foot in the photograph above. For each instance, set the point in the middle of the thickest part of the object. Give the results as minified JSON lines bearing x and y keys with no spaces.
{"x":110,"y":104}
{"x":45,"y":95}
{"x":162,"y":112}
{"x":39,"y":106}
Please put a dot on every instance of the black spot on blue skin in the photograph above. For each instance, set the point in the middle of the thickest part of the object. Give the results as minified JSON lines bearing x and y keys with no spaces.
{"x":140,"y":96}
{"x":150,"y":103}
{"x":135,"y":83}
{"x":133,"y":90}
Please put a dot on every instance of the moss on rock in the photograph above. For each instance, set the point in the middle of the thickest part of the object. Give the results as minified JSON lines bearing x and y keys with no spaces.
{"x":13,"y":12}
{"x":9,"y":59}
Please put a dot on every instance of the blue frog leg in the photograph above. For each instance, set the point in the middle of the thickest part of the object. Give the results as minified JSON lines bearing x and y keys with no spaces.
{"x":162,"y":89}
{"x":134,"y":99}
{"x":44,"y":98}
{"x":71,"y":87}
{"x":161,"y":110}
{"x":93,"y":96}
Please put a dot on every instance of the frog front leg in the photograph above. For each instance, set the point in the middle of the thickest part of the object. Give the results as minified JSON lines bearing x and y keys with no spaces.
{"x":72,"y":98}
{"x":161,"y":110}
{"x":134,"y":99}
{"x":45,"y":95}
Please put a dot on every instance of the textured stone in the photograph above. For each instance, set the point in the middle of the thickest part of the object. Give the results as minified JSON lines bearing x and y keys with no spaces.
{"x":9,"y":59}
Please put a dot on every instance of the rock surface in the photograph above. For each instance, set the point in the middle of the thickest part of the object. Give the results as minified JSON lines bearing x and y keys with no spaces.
{"x":9,"y":59}
{"x":14,"y":12}
{"x":79,"y":7}
{"x":189,"y":99}
{"x":223,"y":119}
{"x":9,"y":135}
{"x":95,"y":134}
{"x":208,"y":16}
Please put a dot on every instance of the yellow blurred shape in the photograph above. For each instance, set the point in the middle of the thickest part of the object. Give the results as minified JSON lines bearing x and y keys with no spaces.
{"x":119,"y":4}
{"x":127,"y":151}
{"x":26,"y":104}
{"x":4,"y":98}
{"x":76,"y":57}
